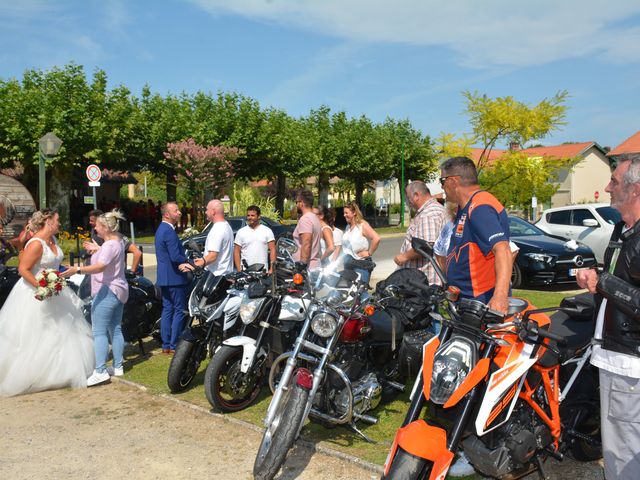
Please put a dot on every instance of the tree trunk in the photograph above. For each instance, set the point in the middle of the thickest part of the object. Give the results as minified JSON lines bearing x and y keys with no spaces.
{"x":171,"y":185}
{"x":58,"y":194}
{"x":323,"y":189}
{"x":281,"y":190}
{"x":359,"y":187}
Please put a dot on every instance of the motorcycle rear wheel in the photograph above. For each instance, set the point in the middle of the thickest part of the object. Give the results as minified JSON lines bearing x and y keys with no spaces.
{"x":183,"y":367}
{"x":405,"y":466}
{"x":226,"y":387}
{"x":280,"y":435}
{"x":583,"y":450}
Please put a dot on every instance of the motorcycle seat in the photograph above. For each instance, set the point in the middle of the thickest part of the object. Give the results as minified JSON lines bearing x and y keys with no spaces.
{"x":381,"y":327}
{"x":575,"y":331}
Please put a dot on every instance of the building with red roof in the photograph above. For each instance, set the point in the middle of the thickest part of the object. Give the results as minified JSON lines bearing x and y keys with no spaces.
{"x":630,"y":148}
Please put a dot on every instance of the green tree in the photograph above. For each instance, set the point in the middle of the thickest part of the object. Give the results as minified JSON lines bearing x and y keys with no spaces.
{"x":404,"y":144}
{"x":505,"y":120}
{"x":91,"y":121}
{"x":516,"y":177}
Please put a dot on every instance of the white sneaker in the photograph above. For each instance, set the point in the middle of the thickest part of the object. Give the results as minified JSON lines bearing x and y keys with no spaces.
{"x":97,"y":378}
{"x":115,"y":372}
{"x":461,"y":468}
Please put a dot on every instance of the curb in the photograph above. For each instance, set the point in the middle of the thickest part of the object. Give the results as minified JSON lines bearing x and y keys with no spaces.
{"x":372,"y":467}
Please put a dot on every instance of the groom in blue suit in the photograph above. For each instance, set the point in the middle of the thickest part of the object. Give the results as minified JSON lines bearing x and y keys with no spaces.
{"x":170,"y":279}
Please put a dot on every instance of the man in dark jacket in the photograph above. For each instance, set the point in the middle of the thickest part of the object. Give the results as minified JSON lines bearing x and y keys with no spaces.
{"x":617,"y":336}
{"x":170,"y":279}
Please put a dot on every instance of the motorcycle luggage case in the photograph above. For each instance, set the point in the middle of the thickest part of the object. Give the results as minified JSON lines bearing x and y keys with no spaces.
{"x":410,"y":355}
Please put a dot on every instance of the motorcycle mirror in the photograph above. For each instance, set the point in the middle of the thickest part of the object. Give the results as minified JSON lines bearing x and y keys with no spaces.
{"x":286,"y":247}
{"x":193,"y":245}
{"x":391,"y":290}
{"x":421,"y":246}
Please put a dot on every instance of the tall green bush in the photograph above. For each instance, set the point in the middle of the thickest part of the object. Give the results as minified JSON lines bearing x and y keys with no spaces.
{"x":244,"y":196}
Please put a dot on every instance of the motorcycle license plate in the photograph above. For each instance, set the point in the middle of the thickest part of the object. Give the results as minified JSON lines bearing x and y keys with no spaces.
{"x":572,"y":272}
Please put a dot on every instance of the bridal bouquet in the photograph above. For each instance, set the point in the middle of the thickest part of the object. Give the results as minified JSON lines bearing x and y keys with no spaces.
{"x":49,"y":283}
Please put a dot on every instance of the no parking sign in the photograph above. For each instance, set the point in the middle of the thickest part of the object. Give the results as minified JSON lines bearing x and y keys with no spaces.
{"x":94,"y":174}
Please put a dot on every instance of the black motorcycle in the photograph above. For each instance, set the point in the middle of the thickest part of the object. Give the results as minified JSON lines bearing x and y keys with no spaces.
{"x":213,"y":311}
{"x":345,"y":361}
{"x":8,"y":278}
{"x":141,"y":314}
{"x":272,"y":309}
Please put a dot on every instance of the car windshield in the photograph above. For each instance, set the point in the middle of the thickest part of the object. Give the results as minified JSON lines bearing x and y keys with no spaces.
{"x":236,"y":223}
{"x":522,"y":228}
{"x":610,"y":214}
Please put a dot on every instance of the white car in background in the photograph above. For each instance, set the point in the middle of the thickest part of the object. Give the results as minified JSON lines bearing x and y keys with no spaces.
{"x":590,"y":223}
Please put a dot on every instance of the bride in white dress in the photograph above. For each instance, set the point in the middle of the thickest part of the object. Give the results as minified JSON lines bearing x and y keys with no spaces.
{"x":45,"y":344}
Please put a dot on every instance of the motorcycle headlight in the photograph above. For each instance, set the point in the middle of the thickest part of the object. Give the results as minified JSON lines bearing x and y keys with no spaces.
{"x":249,"y":308}
{"x":324,"y":324}
{"x":451,"y":365}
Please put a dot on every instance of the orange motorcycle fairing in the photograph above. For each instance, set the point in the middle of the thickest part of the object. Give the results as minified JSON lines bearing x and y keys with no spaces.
{"x":424,"y":441}
{"x":428,"y":354}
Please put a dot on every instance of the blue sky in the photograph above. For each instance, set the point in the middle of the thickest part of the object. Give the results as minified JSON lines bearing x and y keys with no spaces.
{"x":398,"y":58}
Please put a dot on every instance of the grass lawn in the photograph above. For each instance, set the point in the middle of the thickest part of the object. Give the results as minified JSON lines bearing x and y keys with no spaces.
{"x":151,"y":371}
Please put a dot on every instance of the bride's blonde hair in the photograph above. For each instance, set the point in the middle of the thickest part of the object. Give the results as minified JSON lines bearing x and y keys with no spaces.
{"x":39,"y":219}
{"x":111,"y":220}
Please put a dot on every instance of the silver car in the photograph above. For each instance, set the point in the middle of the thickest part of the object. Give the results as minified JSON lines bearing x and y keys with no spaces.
{"x":590,"y":223}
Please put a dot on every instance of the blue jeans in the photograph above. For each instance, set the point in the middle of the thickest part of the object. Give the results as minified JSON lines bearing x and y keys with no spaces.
{"x":365,"y":276}
{"x":106,"y":322}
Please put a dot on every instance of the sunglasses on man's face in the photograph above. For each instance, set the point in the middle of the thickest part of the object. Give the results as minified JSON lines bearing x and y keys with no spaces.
{"x":444,"y":179}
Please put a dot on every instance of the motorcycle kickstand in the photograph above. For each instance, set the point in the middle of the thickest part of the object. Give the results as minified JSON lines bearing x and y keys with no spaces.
{"x":541,"y":473}
{"x":353,"y":427}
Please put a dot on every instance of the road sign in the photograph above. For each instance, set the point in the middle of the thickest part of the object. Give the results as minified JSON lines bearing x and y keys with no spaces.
{"x":94,"y":173}
{"x":94,"y":184}
{"x":88,"y":199}
{"x":596,"y":195}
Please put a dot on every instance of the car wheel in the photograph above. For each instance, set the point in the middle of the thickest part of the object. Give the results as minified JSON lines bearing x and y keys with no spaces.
{"x":516,"y":276}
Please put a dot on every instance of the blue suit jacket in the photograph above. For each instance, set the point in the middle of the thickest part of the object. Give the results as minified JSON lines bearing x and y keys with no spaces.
{"x":169,"y":254}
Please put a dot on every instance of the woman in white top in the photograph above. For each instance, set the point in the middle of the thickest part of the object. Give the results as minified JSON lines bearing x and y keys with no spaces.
{"x":330,"y":234}
{"x":360,"y":240}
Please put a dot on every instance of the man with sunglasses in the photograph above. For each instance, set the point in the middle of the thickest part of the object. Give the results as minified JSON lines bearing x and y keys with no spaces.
{"x":479,"y":259}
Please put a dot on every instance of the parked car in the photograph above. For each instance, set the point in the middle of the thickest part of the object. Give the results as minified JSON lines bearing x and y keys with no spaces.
{"x":237,"y":223}
{"x":590,"y":223}
{"x":544,"y":259}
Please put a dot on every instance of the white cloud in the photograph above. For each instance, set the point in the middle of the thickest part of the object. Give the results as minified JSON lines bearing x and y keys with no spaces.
{"x":480,"y":32}
{"x":320,"y":68}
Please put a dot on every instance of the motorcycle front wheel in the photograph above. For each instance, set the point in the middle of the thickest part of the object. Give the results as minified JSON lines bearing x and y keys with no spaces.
{"x":226,"y":387}
{"x":405,"y":466}
{"x":279,"y":436}
{"x":183,"y":367}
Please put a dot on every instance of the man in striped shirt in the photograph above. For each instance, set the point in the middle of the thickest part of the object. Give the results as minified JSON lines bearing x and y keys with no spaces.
{"x":426,"y":224}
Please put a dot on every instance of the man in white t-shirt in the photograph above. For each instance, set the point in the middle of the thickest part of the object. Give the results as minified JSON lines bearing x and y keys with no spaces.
{"x":254,"y":242}
{"x":218,"y":248}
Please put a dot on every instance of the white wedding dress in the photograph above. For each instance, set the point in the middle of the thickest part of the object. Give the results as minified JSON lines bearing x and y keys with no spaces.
{"x":46,"y":344}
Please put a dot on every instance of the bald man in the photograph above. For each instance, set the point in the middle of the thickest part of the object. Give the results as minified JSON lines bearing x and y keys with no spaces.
{"x":218,"y":249}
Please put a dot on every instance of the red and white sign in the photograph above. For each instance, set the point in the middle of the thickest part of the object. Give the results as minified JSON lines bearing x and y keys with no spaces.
{"x":94,"y":173}
{"x":596,"y":195}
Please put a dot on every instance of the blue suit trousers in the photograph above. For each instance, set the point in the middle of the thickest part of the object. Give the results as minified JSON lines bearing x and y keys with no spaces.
{"x":174,"y":303}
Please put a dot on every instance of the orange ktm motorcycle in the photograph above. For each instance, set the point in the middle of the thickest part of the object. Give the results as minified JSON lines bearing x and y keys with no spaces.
{"x":509,"y":391}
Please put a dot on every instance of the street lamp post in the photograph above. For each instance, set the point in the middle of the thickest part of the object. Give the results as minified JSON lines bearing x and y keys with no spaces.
{"x":402,"y":185}
{"x":49,"y":147}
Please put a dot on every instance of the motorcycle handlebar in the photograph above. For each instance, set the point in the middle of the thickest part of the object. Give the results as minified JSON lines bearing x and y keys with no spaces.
{"x":420,"y":286}
{"x":532,"y":327}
